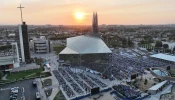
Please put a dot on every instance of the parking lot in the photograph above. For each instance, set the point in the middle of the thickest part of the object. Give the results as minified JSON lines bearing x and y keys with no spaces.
{"x":28,"y":91}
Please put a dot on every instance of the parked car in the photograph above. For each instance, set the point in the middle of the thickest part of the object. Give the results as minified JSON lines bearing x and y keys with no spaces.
{"x":13,"y":96}
{"x":34,"y":83}
{"x":14,"y":90}
{"x":37,"y":96}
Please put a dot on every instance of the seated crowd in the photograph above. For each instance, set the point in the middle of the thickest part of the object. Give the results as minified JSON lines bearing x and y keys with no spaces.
{"x":123,"y":66}
{"x":98,"y":82}
{"x":62,"y":83}
{"x":79,"y":81}
{"x":126,"y":91}
{"x":68,"y":78}
{"x":89,"y":82}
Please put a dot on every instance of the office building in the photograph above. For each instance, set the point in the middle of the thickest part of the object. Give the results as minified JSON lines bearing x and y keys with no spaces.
{"x":40,"y":45}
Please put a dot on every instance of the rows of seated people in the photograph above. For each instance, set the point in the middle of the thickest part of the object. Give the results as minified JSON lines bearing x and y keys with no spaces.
{"x":68,"y":90}
{"x":126,"y":91}
{"x":65,"y":75}
{"x":79,"y":81}
{"x":59,"y":78}
{"x":62,"y":83}
{"x":101,"y":84}
{"x":73,"y":84}
{"x":123,"y":67}
{"x":77,"y":88}
{"x":88,"y":81}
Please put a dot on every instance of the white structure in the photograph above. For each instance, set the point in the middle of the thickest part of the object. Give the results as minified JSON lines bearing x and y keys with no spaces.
{"x":170,"y":44}
{"x":40,"y":45}
{"x":164,"y":57}
{"x":21,"y":44}
{"x":85,"y":45}
{"x":157,"y":88}
{"x":15,"y":55}
{"x":10,"y":59}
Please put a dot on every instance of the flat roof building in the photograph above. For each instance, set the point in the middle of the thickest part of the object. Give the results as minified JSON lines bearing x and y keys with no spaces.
{"x":9,"y":59}
{"x":165,"y":57}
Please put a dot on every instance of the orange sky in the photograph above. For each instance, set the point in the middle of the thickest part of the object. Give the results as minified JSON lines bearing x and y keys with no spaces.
{"x":58,"y":12}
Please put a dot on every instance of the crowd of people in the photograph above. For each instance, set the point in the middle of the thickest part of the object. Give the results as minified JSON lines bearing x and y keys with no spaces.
{"x":62,"y":83}
{"x":59,"y":78}
{"x":87,"y":80}
{"x":68,"y":90}
{"x":123,"y":66}
{"x":71,"y":81}
{"x":126,"y":91}
{"x":101,"y":84}
{"x":79,"y":82}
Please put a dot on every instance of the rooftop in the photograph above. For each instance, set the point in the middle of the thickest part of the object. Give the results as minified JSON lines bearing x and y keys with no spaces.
{"x":6,"y":60}
{"x":85,"y":45}
{"x":157,"y":86}
{"x":164,"y":57}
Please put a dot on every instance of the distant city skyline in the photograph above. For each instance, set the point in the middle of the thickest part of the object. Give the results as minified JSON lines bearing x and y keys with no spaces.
{"x":79,"y":12}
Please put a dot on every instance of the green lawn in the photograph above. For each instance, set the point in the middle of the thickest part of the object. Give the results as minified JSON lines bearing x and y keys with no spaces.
{"x":43,"y":74}
{"x":58,"y":48}
{"x":47,"y":82}
{"x":21,"y":74}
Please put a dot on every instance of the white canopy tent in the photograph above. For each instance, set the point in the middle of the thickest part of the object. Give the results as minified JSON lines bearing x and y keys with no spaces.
{"x":164,"y":57}
{"x":156,"y":88}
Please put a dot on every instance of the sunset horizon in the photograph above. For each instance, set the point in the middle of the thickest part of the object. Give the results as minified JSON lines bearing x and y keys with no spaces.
{"x":41,"y":12}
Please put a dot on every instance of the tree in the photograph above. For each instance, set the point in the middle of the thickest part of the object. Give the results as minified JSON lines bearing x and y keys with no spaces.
{"x":146,"y":81}
{"x":158,"y":44}
{"x":165,"y":46}
{"x":124,"y":41}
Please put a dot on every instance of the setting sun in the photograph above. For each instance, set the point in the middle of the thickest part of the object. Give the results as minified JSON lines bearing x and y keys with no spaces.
{"x":79,"y":15}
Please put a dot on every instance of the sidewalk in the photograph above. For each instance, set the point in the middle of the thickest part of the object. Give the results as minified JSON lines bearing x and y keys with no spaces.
{"x":55,"y":90}
{"x":54,"y":86}
{"x":41,"y":90}
{"x":4,"y":78}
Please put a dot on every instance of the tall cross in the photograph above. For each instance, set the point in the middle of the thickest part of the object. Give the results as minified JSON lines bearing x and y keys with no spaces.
{"x":21,"y":12}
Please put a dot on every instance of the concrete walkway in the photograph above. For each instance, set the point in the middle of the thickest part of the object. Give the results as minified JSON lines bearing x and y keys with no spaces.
{"x":55,"y":86}
{"x":41,"y":89}
{"x":4,"y":78}
{"x":55,"y":89}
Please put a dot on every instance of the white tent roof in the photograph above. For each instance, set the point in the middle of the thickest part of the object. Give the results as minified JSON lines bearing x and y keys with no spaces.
{"x":164,"y":57}
{"x":85,"y":45}
{"x":157,"y":86}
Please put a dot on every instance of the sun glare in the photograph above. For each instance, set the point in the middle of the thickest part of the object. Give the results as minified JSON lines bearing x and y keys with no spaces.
{"x":79,"y":15}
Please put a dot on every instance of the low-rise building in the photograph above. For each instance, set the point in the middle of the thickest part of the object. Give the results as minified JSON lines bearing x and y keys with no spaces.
{"x":40,"y":45}
{"x":9,"y":59}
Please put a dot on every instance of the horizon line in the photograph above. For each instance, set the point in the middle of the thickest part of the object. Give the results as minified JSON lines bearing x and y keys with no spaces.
{"x":79,"y":25}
